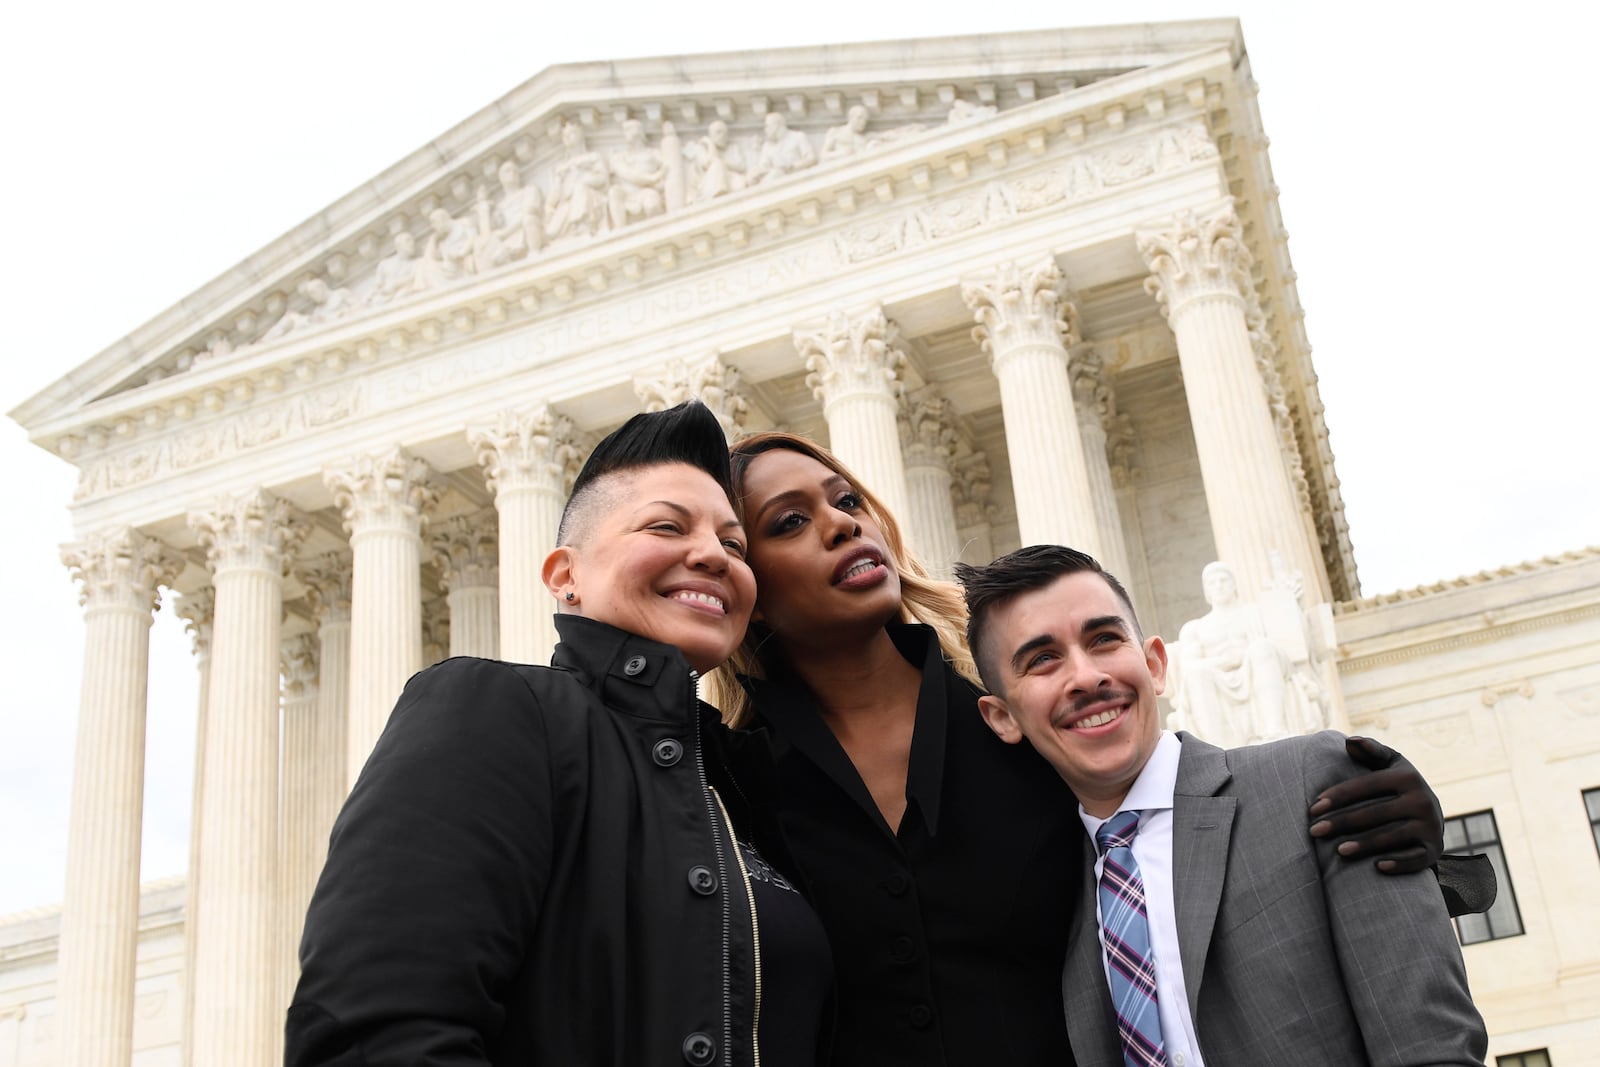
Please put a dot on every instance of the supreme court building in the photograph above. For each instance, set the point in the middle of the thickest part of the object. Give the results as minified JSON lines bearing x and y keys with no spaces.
{"x":1031,"y":287}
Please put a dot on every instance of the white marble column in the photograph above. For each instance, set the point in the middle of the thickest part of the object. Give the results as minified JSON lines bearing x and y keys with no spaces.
{"x":927,"y":436}
{"x":710,"y":381}
{"x":970,"y":483}
{"x":1096,"y":405}
{"x":299,"y":827}
{"x":855,"y":366}
{"x":120,"y":573}
{"x":465,"y":551}
{"x":196,"y":610}
{"x":529,"y":459}
{"x":1025,"y":323}
{"x":238,"y":1014}
{"x":384,"y":499}
{"x":1200,"y":272}
{"x":435,"y":630}
{"x":327,"y":582}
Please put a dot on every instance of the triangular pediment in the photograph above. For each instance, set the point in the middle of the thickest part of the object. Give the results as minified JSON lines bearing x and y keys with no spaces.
{"x":584,"y":154}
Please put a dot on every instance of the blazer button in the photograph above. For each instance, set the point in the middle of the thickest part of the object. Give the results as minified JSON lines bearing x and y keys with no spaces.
{"x":634,"y":667}
{"x":896,"y":885}
{"x":921,"y":1016}
{"x":902,"y":949}
{"x":699,"y":1049}
{"x":667,"y":752}
{"x":703,"y":881}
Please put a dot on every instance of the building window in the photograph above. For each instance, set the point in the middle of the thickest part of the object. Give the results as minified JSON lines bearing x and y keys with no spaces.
{"x":1591,"y":800}
{"x":1537,"y":1058}
{"x":1477,"y":835}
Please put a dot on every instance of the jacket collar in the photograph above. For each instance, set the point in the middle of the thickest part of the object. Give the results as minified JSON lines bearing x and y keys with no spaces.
{"x":787,"y":706}
{"x":630,"y":673}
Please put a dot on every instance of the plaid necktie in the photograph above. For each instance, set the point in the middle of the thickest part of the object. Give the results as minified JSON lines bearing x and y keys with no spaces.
{"x":1130,"y":964}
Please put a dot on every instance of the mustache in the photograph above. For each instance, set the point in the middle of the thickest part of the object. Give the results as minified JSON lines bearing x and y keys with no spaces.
{"x":1084,"y":701}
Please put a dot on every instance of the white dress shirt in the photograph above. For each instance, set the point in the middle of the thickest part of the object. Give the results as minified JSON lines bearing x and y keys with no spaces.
{"x":1151,"y":796}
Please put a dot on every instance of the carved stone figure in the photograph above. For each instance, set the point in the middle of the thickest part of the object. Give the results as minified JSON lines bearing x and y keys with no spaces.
{"x":1245,"y":672}
{"x":638,"y":175}
{"x":848,"y":139}
{"x":448,"y":253}
{"x":719,"y":163}
{"x":513,"y":228}
{"x":965,"y":111}
{"x":326,"y":305}
{"x":783,"y":151}
{"x":397,"y":272}
{"x":578,"y":206}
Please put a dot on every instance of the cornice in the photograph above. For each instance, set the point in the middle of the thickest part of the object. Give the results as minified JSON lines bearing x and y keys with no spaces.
{"x":1468,"y":581}
{"x":351,"y":234}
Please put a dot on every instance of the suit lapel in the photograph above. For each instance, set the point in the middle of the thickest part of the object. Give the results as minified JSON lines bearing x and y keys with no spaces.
{"x":1202,"y":825}
{"x":1091,"y":1024}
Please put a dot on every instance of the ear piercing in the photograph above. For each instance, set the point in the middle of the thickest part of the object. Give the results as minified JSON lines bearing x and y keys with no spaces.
{"x":571,"y":598}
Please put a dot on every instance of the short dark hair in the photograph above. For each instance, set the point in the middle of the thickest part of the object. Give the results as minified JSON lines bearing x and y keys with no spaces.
{"x":991,"y":587}
{"x":688,"y":433}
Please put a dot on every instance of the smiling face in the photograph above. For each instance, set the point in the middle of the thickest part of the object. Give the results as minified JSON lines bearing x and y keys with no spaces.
{"x":820,"y":558}
{"x":1079,"y":683}
{"x":664,"y":559}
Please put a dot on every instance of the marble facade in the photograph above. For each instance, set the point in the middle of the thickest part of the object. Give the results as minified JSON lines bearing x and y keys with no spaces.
{"x":1032,"y":287}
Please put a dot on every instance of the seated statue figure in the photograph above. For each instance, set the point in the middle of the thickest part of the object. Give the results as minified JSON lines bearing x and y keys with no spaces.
{"x":637,"y":176}
{"x":848,"y":139}
{"x":719,"y":164}
{"x":512,"y":229}
{"x":448,"y":253}
{"x":783,"y":151}
{"x":1242,"y":675}
{"x":397,"y":272}
{"x":577,"y":207}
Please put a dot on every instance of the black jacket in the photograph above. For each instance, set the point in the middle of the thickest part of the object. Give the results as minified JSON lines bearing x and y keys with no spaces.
{"x":533,"y":869}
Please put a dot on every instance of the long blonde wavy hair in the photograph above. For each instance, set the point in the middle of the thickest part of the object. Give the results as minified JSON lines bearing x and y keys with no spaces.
{"x":923,"y":598}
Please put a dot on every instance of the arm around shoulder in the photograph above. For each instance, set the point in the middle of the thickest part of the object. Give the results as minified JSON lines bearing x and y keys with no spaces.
{"x":1397,"y":950}
{"x":435,"y":867}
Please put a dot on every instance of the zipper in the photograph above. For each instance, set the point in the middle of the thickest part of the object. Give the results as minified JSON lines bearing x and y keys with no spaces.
{"x":713,"y":804}
{"x":755,"y":936}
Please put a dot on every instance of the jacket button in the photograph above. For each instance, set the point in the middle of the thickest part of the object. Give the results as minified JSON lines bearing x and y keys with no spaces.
{"x":699,"y":1049}
{"x":667,"y":751}
{"x":921,"y":1016}
{"x":902,"y":949}
{"x":634,"y":667}
{"x":703,"y":881}
{"x":896,"y":885}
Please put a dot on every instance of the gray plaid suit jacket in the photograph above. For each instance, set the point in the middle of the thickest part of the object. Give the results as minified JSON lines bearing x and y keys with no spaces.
{"x":1290,"y":955}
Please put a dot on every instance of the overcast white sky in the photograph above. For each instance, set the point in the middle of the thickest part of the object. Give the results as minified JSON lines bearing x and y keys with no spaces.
{"x":1437,"y":163}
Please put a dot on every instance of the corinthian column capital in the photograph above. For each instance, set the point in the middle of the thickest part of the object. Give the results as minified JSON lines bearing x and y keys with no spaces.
{"x":121,"y":568}
{"x":1091,"y":388}
{"x":535,"y":449}
{"x":465,"y":551}
{"x":1022,"y":307}
{"x":253,"y":530}
{"x":197,"y":610}
{"x":327,"y":582}
{"x":297,"y":662}
{"x":851,"y":355}
{"x":927,"y":434}
{"x":1195,"y":254}
{"x":390,"y":490}
{"x":710,"y":381}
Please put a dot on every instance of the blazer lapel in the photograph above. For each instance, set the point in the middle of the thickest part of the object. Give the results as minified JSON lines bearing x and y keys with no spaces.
{"x":1091,"y":1018}
{"x":1202,"y":825}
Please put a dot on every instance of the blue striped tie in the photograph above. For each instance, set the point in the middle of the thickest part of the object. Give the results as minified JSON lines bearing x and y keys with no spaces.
{"x":1130,"y":963}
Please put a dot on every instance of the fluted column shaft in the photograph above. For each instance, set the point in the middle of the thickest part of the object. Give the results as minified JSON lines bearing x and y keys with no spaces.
{"x":1094,"y":403}
{"x":383,"y":499}
{"x":120,"y":575}
{"x":196,"y":609}
{"x":465,"y":552}
{"x":1200,"y":272}
{"x":1025,"y":323}
{"x":529,"y":459}
{"x":926,"y":434}
{"x":299,"y":829}
{"x":238,"y":1008}
{"x":855,"y":367}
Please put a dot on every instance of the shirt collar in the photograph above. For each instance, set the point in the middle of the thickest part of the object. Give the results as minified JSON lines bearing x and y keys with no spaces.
{"x":1152,"y":790}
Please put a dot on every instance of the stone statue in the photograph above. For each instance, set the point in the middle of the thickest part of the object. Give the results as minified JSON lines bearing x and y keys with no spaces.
{"x":963,"y":111}
{"x":1246,"y":672}
{"x":397,"y":272}
{"x":326,"y":305}
{"x":638,"y":175}
{"x":578,"y":207}
{"x":513,"y":228}
{"x":783,"y":151}
{"x":719,"y":164}
{"x":448,"y":253}
{"x":848,"y":139}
